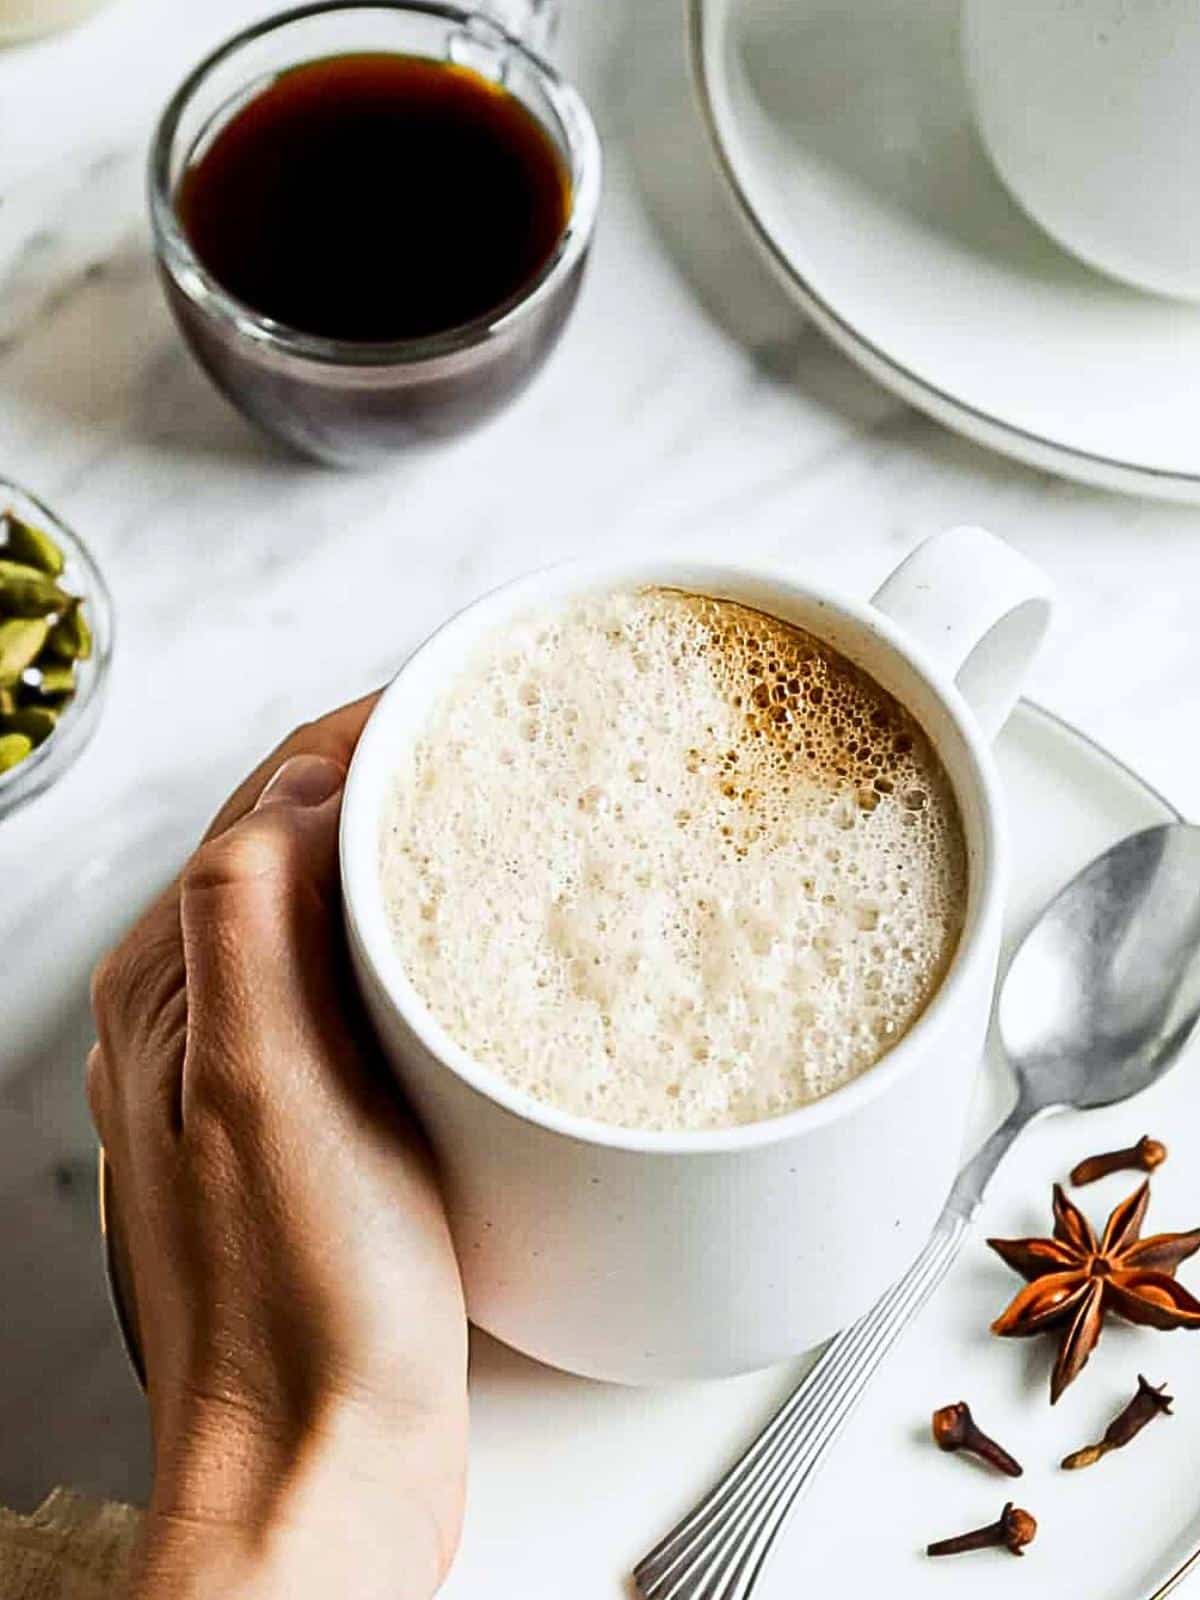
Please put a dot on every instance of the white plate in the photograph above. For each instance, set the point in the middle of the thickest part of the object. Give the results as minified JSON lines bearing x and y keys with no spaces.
{"x":571,"y":1481}
{"x":843,"y":129}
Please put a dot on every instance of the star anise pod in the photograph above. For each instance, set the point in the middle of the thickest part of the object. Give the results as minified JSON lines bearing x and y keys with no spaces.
{"x":1075,"y":1279}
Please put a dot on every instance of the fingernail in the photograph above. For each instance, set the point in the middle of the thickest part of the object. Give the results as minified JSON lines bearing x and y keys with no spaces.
{"x":302,"y":781}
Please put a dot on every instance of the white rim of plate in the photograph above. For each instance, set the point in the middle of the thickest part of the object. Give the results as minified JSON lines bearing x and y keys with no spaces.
{"x":948,"y":409}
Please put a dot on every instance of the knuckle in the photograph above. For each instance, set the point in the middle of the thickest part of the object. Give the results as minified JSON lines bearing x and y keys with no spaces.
{"x":109,"y":983}
{"x":134,"y":985}
{"x":245,"y":854}
{"x":227,"y":1107}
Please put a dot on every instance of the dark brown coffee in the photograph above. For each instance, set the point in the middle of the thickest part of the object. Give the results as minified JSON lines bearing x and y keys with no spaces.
{"x":377,"y":197}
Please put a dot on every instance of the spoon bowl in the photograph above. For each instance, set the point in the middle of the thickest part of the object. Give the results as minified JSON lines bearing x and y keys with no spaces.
{"x":1105,"y":988}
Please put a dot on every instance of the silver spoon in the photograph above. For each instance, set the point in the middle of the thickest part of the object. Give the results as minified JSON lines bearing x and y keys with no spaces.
{"x":1097,"y":1003}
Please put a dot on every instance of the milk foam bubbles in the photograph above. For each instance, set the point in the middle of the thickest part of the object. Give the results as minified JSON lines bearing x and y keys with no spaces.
{"x":667,"y":862}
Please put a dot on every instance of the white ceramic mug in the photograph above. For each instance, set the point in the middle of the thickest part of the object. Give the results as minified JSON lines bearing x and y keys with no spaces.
{"x":1090,"y":112}
{"x":645,"y":1256}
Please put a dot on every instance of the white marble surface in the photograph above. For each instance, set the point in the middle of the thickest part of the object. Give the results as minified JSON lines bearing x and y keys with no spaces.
{"x":688,"y":404}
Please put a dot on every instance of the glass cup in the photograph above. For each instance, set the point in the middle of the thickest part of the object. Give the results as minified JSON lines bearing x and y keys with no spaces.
{"x":348,"y":402}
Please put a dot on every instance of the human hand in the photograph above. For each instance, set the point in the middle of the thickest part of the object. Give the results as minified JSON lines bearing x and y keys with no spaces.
{"x":295,"y":1290}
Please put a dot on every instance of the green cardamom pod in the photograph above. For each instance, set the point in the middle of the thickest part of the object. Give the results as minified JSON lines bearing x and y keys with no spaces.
{"x":8,"y":702}
{"x":21,"y":642}
{"x":37,"y":723}
{"x":32,"y":546}
{"x":70,"y":637}
{"x":14,"y":747}
{"x":55,"y":680}
{"x":26,"y":592}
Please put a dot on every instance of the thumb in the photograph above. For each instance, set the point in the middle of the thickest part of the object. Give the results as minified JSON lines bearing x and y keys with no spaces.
{"x":305,"y":780}
{"x":259,"y":915}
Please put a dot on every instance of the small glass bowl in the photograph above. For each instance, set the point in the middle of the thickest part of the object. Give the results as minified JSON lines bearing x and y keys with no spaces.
{"x":81,"y":577}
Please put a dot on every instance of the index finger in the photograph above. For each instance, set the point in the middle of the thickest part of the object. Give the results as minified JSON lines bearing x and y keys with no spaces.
{"x":120,"y":1000}
{"x":333,"y":736}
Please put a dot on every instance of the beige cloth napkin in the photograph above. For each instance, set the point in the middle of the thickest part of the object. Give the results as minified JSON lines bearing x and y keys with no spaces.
{"x":69,"y":1549}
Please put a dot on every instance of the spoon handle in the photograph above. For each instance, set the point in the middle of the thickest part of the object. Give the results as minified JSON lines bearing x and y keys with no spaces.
{"x":718,"y":1551}
{"x":967,"y":1193}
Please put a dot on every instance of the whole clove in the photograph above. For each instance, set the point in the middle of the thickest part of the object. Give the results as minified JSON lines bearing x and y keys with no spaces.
{"x":1149,"y":1402}
{"x":1144,"y":1156}
{"x":1013,"y":1530}
{"x":954,"y":1428}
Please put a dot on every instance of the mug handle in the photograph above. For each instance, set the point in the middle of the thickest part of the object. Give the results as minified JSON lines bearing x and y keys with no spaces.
{"x":979,"y":607}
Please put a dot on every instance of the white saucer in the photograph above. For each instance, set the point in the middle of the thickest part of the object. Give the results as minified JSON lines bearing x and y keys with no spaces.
{"x":843,"y":129}
{"x":571,"y":1482}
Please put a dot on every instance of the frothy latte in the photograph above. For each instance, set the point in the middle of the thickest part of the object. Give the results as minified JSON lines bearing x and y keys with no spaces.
{"x":670,"y":863}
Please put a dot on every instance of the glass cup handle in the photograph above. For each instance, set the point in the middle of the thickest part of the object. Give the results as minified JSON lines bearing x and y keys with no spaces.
{"x":979,"y":607}
{"x":533,"y":22}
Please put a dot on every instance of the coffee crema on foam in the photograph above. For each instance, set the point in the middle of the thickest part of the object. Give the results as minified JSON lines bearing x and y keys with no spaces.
{"x":671,"y":863}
